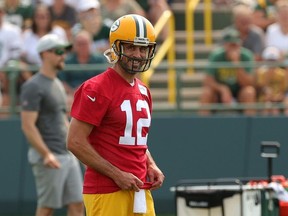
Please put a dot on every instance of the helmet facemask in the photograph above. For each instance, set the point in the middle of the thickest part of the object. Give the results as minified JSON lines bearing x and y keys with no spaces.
{"x":134,"y":64}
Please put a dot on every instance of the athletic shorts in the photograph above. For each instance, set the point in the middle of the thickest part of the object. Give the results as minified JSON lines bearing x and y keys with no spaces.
{"x":119,"y":203}
{"x":57,"y":188}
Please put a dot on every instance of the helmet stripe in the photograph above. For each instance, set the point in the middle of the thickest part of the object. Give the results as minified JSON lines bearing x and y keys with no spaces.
{"x":141,"y":30}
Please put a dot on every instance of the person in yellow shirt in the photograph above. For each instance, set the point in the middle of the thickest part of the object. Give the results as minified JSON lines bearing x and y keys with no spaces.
{"x":271,"y":81}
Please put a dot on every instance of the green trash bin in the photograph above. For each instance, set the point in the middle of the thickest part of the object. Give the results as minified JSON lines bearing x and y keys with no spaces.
{"x":269,"y":204}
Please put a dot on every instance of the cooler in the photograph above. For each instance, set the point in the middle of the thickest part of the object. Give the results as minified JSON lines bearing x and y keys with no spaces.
{"x":223,"y":197}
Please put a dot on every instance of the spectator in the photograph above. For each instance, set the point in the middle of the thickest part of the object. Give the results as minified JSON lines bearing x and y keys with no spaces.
{"x":18,"y":13}
{"x":41,"y":25}
{"x":277,"y":33}
{"x":222,"y":2}
{"x":154,"y":10}
{"x":229,"y":84}
{"x":63,"y":15}
{"x":249,"y":3}
{"x":75,"y":4}
{"x":253,"y":37}
{"x":113,"y":9}
{"x":264,"y":13}
{"x":11,"y":48}
{"x":81,"y":55}
{"x":90,"y":19}
{"x":57,"y":173}
{"x":271,"y":81}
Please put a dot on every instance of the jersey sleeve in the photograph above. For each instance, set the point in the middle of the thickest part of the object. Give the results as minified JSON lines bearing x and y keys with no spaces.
{"x":30,"y":98}
{"x":89,"y":105}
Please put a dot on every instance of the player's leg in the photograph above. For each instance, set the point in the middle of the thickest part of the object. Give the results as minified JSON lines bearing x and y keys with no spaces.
{"x":73,"y":187}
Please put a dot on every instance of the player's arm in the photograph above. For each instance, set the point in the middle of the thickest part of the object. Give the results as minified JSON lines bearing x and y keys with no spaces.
{"x":155,"y":175}
{"x":28,"y":121}
{"x":78,"y":144}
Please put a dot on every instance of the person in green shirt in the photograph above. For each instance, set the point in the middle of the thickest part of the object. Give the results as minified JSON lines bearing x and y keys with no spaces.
{"x":225,"y":84}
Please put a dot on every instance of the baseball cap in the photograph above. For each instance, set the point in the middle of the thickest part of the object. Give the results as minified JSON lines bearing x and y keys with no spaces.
{"x":271,"y":53}
{"x":51,"y":41}
{"x":231,"y":35}
{"x":88,"y":4}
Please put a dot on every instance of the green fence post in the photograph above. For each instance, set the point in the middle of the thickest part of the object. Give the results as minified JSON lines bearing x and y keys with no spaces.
{"x":12,"y":69}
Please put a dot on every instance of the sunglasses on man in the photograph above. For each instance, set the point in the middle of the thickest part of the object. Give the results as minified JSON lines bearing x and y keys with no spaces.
{"x":58,"y":51}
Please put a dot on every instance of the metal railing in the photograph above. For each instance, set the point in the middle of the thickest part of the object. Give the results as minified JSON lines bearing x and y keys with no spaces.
{"x":13,"y":71}
{"x":166,"y":48}
{"x":190,"y":27}
{"x":234,"y":107}
{"x":208,"y":24}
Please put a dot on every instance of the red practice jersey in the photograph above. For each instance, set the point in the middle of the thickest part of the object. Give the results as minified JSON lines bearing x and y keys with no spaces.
{"x":121,"y":115}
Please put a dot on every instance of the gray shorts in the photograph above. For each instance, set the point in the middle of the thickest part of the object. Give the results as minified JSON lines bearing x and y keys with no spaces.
{"x":57,"y":188}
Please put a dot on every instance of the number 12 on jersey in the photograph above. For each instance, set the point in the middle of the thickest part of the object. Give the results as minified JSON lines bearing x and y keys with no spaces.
{"x":128,"y":139}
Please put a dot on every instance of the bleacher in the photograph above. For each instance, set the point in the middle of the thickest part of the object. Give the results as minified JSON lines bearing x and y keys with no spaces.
{"x":189,"y":84}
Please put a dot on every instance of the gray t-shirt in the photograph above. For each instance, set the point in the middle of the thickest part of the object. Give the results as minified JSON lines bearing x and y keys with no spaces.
{"x":47,"y":96}
{"x":255,"y":40}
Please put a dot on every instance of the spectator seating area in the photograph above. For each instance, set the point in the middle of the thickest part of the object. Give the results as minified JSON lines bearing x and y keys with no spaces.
{"x":90,"y":16}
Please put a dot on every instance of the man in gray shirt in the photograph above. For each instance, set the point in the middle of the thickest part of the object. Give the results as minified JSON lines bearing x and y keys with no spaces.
{"x":253,"y":37}
{"x":57,"y":173}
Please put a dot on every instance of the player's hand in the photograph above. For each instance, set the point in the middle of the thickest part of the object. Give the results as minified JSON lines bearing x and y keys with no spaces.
{"x":128,"y":181}
{"x":51,"y":161}
{"x":155,"y":176}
